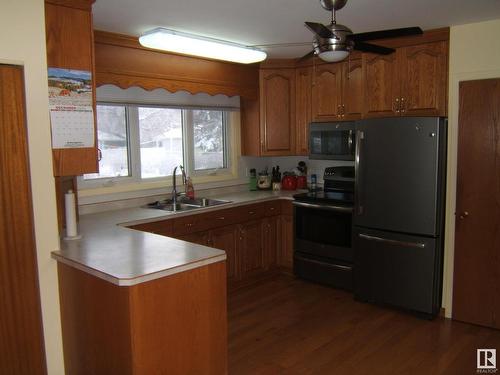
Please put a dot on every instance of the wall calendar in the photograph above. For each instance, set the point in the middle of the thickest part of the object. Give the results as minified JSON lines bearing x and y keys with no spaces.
{"x":70,"y":106}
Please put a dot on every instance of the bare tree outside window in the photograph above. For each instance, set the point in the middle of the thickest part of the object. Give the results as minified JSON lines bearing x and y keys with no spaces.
{"x":160,"y":132}
{"x":112,"y":141}
{"x":208,"y":131}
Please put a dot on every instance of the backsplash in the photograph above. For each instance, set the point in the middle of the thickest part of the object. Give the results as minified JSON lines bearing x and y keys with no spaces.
{"x":135,"y":199}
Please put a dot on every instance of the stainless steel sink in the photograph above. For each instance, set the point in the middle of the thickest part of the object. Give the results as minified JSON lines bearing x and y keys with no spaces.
{"x":203,"y":202}
{"x":185,"y":204}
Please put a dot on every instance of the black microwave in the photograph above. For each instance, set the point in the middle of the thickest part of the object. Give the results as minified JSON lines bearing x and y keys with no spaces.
{"x":332,"y":140}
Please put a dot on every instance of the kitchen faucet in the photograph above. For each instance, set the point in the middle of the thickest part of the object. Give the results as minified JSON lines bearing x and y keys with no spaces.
{"x":174,"y":187}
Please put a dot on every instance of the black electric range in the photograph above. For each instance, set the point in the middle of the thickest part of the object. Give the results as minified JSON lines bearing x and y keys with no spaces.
{"x":323,"y":228}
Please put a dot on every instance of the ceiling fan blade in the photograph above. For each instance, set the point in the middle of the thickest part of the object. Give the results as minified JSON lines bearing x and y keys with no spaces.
{"x":305,"y":57}
{"x":385,"y":34}
{"x":373,"y":48}
{"x":319,"y":29}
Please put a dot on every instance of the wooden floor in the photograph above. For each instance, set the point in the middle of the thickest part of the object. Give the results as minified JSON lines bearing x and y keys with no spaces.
{"x":288,"y":326}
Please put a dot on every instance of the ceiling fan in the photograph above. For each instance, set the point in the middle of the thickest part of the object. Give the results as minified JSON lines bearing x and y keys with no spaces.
{"x":334,"y":42}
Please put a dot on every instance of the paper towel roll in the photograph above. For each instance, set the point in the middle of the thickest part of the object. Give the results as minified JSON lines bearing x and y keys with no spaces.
{"x":71,"y":229}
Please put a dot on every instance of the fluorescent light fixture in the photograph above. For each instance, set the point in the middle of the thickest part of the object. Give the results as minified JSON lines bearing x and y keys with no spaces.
{"x":188,"y":44}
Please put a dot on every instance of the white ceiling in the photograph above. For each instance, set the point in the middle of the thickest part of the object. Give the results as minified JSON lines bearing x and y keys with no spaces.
{"x":260,"y":22}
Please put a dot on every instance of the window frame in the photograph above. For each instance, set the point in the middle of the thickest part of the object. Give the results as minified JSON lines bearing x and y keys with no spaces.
{"x":134,"y":152}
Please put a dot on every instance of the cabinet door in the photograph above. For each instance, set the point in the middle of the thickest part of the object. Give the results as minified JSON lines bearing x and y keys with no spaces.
{"x":381,"y":85}
{"x":277,"y":112}
{"x":303,"y":80}
{"x":251,"y":249}
{"x":352,"y":90}
{"x":424,"y":78}
{"x":270,"y":227}
{"x":286,"y":242}
{"x":225,"y":238}
{"x":326,"y":92}
{"x":69,"y":35}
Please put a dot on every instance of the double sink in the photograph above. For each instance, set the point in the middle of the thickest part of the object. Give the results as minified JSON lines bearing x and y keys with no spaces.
{"x":185,"y":204}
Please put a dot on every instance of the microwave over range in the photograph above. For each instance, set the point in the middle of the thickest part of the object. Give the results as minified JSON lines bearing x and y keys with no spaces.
{"x":332,"y":140}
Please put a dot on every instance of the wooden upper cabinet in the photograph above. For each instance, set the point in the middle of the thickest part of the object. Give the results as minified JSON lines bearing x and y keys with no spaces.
{"x":381,"y":85}
{"x":303,"y":85}
{"x":277,"y":112}
{"x":338,"y":91}
{"x":327,"y":92}
{"x":424,"y":73}
{"x":69,"y":35}
{"x":352,"y":89}
{"x":413,"y":81}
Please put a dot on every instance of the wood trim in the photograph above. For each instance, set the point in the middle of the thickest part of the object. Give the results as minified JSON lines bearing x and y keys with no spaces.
{"x":122,"y":61}
{"x":21,"y":336}
{"x":76,"y":4}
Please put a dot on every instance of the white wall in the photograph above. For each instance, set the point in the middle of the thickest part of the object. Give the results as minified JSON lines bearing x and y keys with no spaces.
{"x":474,"y":54}
{"x":22,"y":42}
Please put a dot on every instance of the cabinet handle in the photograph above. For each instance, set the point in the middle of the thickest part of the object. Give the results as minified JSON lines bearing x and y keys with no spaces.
{"x":251,"y":212}
{"x":397,"y":105}
{"x":272,"y":208}
{"x":99,"y":154}
{"x":221,"y":218}
{"x":343,"y":110}
{"x":189,"y":225}
{"x":403,"y":105}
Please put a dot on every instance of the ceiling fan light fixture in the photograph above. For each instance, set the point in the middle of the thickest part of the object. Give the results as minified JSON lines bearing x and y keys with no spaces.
{"x":333,"y":56}
{"x":196,"y":45}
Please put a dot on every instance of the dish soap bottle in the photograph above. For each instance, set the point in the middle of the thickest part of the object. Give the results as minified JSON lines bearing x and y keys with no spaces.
{"x":189,"y":188}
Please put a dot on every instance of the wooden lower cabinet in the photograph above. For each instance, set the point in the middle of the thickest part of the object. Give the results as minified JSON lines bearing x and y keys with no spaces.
{"x":176,"y":324}
{"x":256,"y":237}
{"x":226,"y":239}
{"x":285,"y":258}
{"x":271,"y":243}
{"x":251,"y":248}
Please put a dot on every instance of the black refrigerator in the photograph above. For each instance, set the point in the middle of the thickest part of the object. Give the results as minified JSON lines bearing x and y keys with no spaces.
{"x":399,"y":212}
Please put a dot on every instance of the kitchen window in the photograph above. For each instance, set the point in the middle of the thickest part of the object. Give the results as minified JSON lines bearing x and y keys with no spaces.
{"x":141,"y":143}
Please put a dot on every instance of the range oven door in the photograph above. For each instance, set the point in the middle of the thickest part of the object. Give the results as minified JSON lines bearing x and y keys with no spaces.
{"x":323,"y":231}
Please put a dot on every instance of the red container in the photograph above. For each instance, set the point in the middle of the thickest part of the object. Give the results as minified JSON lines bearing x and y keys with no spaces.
{"x":289,"y":183}
{"x":301,"y":182}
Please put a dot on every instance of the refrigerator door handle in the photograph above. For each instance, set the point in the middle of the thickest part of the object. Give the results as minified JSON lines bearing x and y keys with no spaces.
{"x":357,"y":178}
{"x":392,"y":242}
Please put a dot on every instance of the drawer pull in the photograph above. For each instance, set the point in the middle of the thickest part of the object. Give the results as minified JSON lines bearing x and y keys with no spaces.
{"x":272,"y":208}
{"x":189,"y":225}
{"x":251,"y":212}
{"x":221,"y":218}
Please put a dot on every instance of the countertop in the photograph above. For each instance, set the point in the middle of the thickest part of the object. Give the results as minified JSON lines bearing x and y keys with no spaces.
{"x":126,"y":257}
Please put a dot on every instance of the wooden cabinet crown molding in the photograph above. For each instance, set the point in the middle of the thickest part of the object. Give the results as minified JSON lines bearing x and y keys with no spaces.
{"x":122,"y":61}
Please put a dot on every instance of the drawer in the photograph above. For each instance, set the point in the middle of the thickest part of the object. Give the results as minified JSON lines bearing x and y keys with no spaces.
{"x":272,"y":208}
{"x":250,"y":212}
{"x":188,"y":224}
{"x":165,"y":227}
